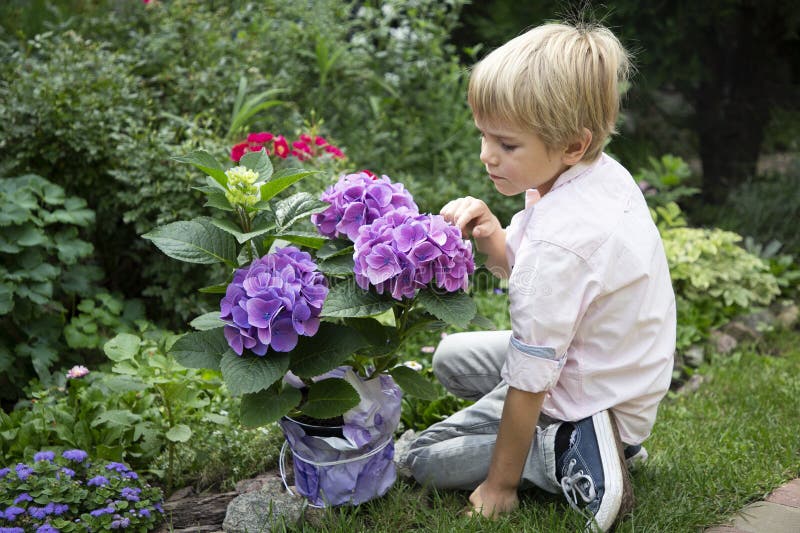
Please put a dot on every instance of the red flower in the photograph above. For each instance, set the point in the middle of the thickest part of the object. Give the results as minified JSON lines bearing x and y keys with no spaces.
{"x":338,"y":154}
{"x":262,"y":137}
{"x":281,"y":147}
{"x":239,"y":150}
{"x":305,"y":138}
{"x":369,"y":173}
{"x":320,"y":141}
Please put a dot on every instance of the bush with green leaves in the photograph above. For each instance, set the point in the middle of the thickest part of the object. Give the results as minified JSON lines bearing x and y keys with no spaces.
{"x":42,"y":254}
{"x":70,"y":492}
{"x":665,"y":180}
{"x":715,"y":279}
{"x":143,"y":406}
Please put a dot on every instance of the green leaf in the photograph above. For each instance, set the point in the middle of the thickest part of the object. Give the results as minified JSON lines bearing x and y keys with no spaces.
{"x":335,"y":247}
{"x":214,"y":289}
{"x":218,"y":200}
{"x":258,"y":162}
{"x":280,"y":181}
{"x":297,"y":206}
{"x":200,"y":349}
{"x":207,"y":321}
{"x":6,"y":298}
{"x":326,"y":350}
{"x":455,"y":308}
{"x":303,"y":238}
{"x":195,"y":241}
{"x":206,"y":163}
{"x":339,"y":265}
{"x":329,"y":398}
{"x":117,"y":417}
{"x":348,"y":300}
{"x":179,"y":433}
{"x":250,"y":373}
{"x":413,"y":383}
{"x":233,"y":229}
{"x":267,"y":406}
{"x":122,"y":347}
{"x":482,"y":322}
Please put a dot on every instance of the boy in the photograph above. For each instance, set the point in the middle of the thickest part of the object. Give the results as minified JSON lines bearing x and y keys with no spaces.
{"x":590,"y":353}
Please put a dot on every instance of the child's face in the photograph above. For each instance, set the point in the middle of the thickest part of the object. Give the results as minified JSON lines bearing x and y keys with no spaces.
{"x":517,"y":160}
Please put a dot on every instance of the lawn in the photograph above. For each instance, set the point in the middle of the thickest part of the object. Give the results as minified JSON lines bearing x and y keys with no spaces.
{"x":712,"y":451}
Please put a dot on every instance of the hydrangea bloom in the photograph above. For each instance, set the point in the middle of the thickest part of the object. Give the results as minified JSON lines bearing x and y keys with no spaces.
{"x":405,"y":251}
{"x":271,"y":302}
{"x":359,"y":199}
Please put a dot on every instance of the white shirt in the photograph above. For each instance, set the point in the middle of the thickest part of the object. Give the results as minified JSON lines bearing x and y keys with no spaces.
{"x":591,"y":300}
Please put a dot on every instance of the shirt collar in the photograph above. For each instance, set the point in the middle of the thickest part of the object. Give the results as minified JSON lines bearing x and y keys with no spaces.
{"x":575,"y":171}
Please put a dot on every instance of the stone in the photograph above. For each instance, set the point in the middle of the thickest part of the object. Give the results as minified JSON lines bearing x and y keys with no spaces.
{"x":692,"y":385}
{"x":787,"y":316}
{"x":694,"y":356}
{"x":759,"y":320}
{"x":788,"y":494}
{"x":765,"y":516}
{"x":741,"y":331}
{"x":401,"y":448}
{"x":724,"y":344}
{"x":271,"y":508}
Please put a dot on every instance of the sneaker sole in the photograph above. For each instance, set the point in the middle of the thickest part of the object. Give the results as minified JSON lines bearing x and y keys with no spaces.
{"x":613,"y":477}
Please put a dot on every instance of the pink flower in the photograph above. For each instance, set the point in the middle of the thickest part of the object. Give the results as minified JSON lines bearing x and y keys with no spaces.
{"x":427,"y":349}
{"x":335,"y":152}
{"x":320,"y":141}
{"x":77,"y":371}
{"x":302,"y":151}
{"x":261,"y":137}
{"x":305,"y":138}
{"x":281,"y":147}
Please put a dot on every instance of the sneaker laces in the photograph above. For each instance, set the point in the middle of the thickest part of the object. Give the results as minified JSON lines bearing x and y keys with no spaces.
{"x":577,"y":484}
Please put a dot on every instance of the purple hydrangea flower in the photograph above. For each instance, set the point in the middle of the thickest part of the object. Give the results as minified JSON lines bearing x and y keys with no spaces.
{"x":44,"y":456}
{"x":23,"y":471}
{"x":46,"y":528}
{"x":78,"y":456}
{"x":11,"y":513}
{"x":273,"y":301}
{"x":131,"y":494}
{"x":405,"y":251}
{"x":24,"y":497}
{"x":358,"y":199}
{"x":97,"y":481}
{"x":117,"y":467}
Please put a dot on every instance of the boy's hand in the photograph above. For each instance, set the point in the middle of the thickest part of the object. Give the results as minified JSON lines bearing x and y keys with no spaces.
{"x":492,"y":502}
{"x":472,"y":216}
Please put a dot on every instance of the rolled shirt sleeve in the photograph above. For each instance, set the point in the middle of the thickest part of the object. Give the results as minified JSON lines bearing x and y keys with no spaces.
{"x":550,"y":289}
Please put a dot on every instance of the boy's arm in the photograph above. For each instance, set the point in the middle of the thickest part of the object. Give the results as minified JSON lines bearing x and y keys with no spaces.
{"x":498,"y":494}
{"x":474,"y":218}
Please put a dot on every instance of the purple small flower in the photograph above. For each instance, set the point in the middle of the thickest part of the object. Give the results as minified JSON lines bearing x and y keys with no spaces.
{"x":145,"y":513}
{"x":131,"y":494}
{"x":117,"y":467}
{"x":11,"y":530}
{"x":78,"y":456}
{"x":158,"y":507}
{"x":11,"y":513}
{"x":47,"y":528}
{"x":103,"y":510}
{"x":68,"y":472}
{"x":23,"y":471}
{"x":24,"y":497}
{"x":44,"y":456}
{"x":122,"y":523}
{"x":130,"y":475}
{"x":4,"y":472}
{"x":39,"y":513}
{"x":97,"y":481}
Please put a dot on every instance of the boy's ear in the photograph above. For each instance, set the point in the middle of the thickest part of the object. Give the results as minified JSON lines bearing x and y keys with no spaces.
{"x":574,"y":151}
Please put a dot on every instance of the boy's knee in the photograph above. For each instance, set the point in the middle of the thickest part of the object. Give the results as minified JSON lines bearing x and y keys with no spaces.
{"x":445,"y":357}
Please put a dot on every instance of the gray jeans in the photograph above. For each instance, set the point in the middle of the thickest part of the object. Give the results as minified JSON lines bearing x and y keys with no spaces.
{"x":455,"y":453}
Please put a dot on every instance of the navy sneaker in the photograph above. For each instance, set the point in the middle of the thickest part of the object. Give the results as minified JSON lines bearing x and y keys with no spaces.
{"x":591,"y":468}
{"x":635,"y":456}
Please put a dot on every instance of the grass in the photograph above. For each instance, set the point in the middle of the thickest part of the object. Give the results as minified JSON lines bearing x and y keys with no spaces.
{"x":712,"y":452}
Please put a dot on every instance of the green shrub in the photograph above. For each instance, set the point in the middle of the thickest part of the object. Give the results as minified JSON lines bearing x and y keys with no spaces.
{"x":43,"y":276}
{"x":714,"y":278}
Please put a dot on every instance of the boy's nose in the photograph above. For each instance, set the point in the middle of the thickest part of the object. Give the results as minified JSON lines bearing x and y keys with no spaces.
{"x":487,"y":156}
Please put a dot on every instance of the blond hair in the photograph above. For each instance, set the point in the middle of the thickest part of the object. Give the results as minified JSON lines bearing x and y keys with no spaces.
{"x":554,"y":80}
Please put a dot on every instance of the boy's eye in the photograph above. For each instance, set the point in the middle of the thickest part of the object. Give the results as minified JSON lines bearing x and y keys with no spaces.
{"x":507,"y":147}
